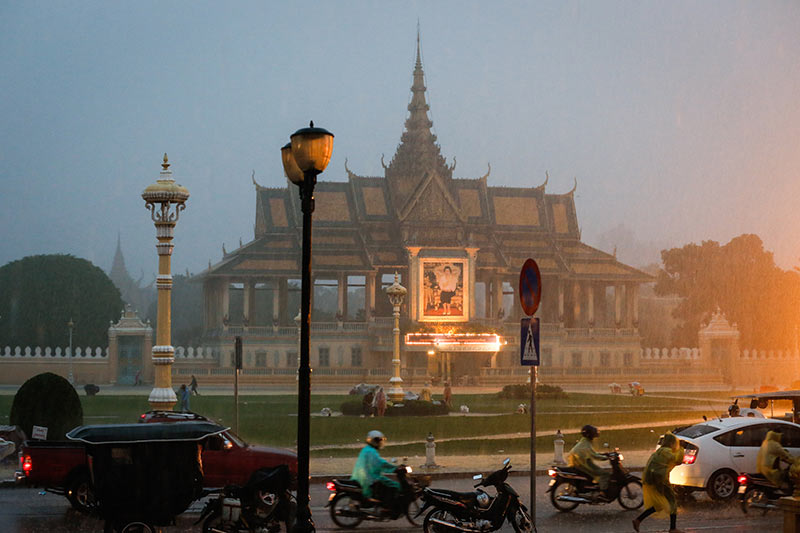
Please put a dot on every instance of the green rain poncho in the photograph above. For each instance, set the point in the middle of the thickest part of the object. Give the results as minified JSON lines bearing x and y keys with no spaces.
{"x":769,"y":454}
{"x":369,"y":468}
{"x":582,"y":457}
{"x":657,"y":490}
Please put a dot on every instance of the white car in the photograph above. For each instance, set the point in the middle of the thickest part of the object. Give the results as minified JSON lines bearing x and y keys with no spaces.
{"x":719,"y":449}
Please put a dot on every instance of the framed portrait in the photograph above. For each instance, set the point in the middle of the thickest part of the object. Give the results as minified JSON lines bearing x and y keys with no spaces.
{"x":444,"y":290}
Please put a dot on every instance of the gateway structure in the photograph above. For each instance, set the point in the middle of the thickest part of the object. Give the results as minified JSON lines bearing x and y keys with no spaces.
{"x":457,"y":245}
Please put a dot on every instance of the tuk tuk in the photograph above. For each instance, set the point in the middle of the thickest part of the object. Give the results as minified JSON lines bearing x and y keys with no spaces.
{"x":762,"y":400}
{"x":144,"y":475}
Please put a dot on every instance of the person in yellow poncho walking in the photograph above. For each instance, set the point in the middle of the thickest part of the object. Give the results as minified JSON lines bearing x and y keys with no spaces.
{"x":658,"y":493}
{"x":769,"y":457}
{"x":583,"y":455}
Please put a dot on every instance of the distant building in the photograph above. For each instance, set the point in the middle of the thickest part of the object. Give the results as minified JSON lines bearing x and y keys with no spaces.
{"x":132,"y":293}
{"x":457,"y":245}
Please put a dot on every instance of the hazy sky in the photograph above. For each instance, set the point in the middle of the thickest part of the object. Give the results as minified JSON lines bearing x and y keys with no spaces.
{"x":680,"y":120}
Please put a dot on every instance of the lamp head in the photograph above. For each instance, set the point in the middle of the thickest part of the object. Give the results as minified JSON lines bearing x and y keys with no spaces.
{"x":312,"y":148}
{"x":290,"y":167}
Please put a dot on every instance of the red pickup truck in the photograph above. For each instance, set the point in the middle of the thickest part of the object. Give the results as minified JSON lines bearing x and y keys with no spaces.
{"x":62,"y":467}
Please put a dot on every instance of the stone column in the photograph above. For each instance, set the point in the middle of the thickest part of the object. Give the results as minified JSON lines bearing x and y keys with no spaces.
{"x":247,"y":301}
{"x":225,"y":285}
{"x":341,"y":307}
{"x":561,"y":301}
{"x":634,"y":289}
{"x":472,"y":263}
{"x":576,"y":304}
{"x":413,"y":282}
{"x":277,"y":285}
{"x":369,"y":296}
{"x":590,"y":303}
{"x":487,"y":297}
{"x":618,"y":304}
{"x":497,"y":292}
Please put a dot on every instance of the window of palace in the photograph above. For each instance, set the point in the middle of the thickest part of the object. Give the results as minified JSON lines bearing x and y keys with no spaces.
{"x":261,"y":358}
{"x":325,"y":300}
{"x":276,"y":359}
{"x":324,"y":357}
{"x":293,"y":287}
{"x":355,"y":356}
{"x":235,"y":303}
{"x":356,"y":298}
{"x":479,"y":296}
{"x":508,"y":300}
{"x":605,"y":359}
{"x":628,"y":359}
{"x":291,"y":359}
{"x":264,"y":295}
{"x":546,"y":357}
{"x":577,"y":359}
{"x":382,"y":305}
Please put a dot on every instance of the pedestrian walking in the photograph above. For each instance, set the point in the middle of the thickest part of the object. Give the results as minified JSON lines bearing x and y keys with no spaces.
{"x":183,"y":398}
{"x":193,"y":386}
{"x":658,"y":493}
{"x":448,"y":394}
{"x":138,"y":379}
{"x":380,"y":402}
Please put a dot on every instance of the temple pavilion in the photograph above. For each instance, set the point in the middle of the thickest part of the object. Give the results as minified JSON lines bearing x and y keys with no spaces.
{"x":456,"y":244}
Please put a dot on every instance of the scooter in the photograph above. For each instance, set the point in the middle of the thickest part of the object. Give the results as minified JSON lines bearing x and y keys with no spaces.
{"x":261,"y":505}
{"x":758,"y":493}
{"x":570,"y":487}
{"x":476,"y":511}
{"x":348,"y":506}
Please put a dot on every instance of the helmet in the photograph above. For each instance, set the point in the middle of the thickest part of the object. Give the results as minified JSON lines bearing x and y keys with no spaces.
{"x":590,"y":432}
{"x":375,"y":438}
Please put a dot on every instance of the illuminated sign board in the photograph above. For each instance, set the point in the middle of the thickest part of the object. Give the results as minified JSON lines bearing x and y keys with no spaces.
{"x":454,"y":342}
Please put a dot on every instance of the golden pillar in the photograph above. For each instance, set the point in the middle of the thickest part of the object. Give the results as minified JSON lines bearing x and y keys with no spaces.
{"x":397,"y":294}
{"x":165,"y":199}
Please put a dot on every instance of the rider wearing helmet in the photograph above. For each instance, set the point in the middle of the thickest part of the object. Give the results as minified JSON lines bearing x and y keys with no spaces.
{"x":370,"y":469}
{"x":770,"y":455}
{"x":583,"y":454}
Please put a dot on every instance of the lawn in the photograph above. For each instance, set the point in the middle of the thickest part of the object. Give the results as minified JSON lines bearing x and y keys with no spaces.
{"x":272,"y":419}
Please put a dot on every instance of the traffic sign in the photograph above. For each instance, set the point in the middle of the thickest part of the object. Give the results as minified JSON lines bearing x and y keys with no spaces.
{"x":529,"y":342}
{"x":530,"y":287}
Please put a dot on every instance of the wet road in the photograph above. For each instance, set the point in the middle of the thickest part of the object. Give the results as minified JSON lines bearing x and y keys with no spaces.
{"x":25,"y":511}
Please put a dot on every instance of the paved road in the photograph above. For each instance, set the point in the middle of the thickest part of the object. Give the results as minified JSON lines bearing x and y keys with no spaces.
{"x":25,"y":511}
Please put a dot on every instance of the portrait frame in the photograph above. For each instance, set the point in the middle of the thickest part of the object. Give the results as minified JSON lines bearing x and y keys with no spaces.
{"x":443,"y":289}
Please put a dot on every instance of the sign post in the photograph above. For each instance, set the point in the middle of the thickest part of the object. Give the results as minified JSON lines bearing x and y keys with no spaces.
{"x":530,"y":293}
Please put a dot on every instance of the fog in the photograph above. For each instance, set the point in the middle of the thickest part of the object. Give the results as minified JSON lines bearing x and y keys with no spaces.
{"x":678,"y":120}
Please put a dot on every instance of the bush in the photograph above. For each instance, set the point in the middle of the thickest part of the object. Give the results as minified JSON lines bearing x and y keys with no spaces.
{"x":417,"y":408}
{"x":523,"y":391}
{"x":47,"y":400}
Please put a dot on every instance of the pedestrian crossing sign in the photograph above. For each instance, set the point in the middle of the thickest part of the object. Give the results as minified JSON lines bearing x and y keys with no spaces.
{"x":529,"y":341}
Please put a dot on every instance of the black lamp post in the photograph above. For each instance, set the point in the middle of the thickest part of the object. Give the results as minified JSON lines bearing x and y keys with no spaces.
{"x":303,"y":158}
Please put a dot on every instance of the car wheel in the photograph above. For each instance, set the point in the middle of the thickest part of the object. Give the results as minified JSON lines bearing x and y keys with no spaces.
{"x":563,"y":488}
{"x":722,"y":485}
{"x":80,"y":493}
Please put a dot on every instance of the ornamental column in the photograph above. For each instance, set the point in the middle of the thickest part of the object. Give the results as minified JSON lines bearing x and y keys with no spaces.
{"x":396,"y":294}
{"x":165,"y":199}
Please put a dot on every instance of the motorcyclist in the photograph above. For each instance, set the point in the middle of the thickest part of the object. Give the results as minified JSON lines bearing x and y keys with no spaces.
{"x":583,"y":455}
{"x":370,"y":469}
{"x":769,"y":457}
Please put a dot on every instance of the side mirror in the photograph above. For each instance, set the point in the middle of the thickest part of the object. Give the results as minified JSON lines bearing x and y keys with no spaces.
{"x":477,"y":477}
{"x":605,"y":445}
{"x":508,"y":460}
{"x":394,"y":460}
{"x":226,"y":444}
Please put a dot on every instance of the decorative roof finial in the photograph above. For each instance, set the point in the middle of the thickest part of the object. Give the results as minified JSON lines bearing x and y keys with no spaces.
{"x":419,"y":61}
{"x":165,"y":164}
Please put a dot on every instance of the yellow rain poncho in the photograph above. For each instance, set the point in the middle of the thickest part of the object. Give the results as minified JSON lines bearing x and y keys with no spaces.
{"x":582,"y":457}
{"x":769,"y":456}
{"x":657,"y":490}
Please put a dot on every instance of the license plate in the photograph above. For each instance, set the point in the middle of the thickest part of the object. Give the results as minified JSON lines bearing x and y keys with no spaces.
{"x":552,"y":482}
{"x":742,"y":488}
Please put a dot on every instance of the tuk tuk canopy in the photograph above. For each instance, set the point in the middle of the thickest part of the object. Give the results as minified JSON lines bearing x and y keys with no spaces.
{"x":143,"y":433}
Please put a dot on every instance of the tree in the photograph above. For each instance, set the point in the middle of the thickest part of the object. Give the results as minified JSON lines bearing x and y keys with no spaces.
{"x":40,"y":294}
{"x":742,"y":280}
{"x":49,"y":401}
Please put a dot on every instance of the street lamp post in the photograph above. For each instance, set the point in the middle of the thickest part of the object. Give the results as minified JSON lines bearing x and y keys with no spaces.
{"x":165,"y":199}
{"x":303,"y":159}
{"x":396,"y":293}
{"x":71,"y":377}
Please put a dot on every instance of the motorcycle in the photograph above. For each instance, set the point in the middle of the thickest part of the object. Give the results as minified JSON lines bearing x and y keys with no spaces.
{"x":571,"y":487}
{"x":348,"y":506}
{"x":260,"y":505}
{"x":476,"y":511}
{"x":757,"y":492}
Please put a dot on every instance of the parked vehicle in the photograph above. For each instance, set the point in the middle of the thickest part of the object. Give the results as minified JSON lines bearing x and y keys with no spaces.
{"x":570,"y":487}
{"x":758,"y":494}
{"x":62,"y":467}
{"x":348,"y":506}
{"x":476,"y":511}
{"x":262,"y":504}
{"x":144,"y":475}
{"x":718,"y":449}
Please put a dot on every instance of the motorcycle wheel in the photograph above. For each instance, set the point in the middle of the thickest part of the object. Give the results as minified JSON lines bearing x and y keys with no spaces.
{"x":440,"y":514}
{"x":521,"y":521}
{"x":411,"y":513}
{"x":631,"y":495}
{"x":754,"y":495}
{"x":137,"y":527}
{"x":345,"y":511}
{"x":563,"y":487}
